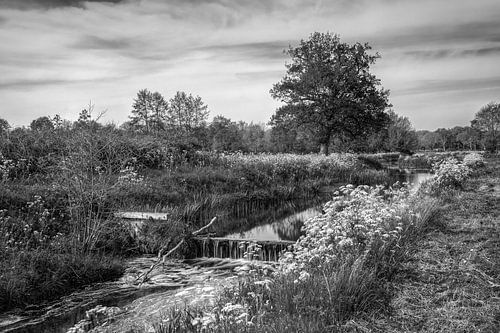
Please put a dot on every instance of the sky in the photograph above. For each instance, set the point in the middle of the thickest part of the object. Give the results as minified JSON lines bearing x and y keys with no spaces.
{"x":439,"y":58}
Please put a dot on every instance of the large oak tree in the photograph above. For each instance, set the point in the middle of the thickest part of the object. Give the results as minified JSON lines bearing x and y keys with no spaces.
{"x":328,"y":90}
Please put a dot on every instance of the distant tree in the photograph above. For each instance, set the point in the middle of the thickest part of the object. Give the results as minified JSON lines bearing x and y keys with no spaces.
{"x":224,"y":134}
{"x":329,"y":89}
{"x":4,"y":126}
{"x":469,"y":138}
{"x":42,"y":124}
{"x":428,"y":140}
{"x":444,"y":137}
{"x":4,"y":132}
{"x":487,"y":120}
{"x":400,"y":134}
{"x":57,"y":121}
{"x":141,"y":111}
{"x":187,"y":112}
{"x":159,"y":109}
{"x":253,"y":137}
{"x":87,"y":119}
{"x":149,"y":112}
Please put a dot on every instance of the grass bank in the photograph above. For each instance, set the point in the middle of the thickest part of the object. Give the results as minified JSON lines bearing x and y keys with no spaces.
{"x":451,"y":281}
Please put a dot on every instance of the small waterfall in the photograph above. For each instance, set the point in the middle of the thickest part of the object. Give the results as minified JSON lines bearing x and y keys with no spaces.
{"x":241,"y":248}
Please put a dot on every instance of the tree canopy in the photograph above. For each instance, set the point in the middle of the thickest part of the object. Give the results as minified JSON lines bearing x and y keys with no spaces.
{"x":328,"y":89}
{"x":487,"y":120}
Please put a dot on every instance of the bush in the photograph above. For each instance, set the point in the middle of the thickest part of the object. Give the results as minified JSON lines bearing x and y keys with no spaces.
{"x":449,"y":174}
{"x":474,"y":160}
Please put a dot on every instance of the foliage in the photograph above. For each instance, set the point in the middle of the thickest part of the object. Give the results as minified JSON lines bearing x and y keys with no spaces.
{"x":488,"y":120}
{"x":30,"y":276}
{"x":42,"y":124}
{"x":186,"y":112}
{"x":4,"y":126}
{"x":329,"y":90}
{"x":400,"y":135}
{"x":149,"y":111}
{"x":37,"y":261}
{"x":448,"y":174}
{"x":451,"y":174}
{"x":224,"y":135}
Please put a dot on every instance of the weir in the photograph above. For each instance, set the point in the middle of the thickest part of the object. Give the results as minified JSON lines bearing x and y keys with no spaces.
{"x":220,"y":247}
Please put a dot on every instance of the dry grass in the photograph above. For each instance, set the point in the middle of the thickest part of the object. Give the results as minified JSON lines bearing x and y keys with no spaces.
{"x":452,"y":281}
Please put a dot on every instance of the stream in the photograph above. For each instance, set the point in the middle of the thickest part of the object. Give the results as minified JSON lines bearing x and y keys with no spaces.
{"x":124,"y":304}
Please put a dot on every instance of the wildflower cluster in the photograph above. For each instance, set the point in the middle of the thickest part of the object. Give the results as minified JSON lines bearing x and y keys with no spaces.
{"x":276,"y":167}
{"x":448,"y":174}
{"x":474,"y":160}
{"x":31,"y":230}
{"x":129,"y":176}
{"x":10,"y":168}
{"x":354,"y":219}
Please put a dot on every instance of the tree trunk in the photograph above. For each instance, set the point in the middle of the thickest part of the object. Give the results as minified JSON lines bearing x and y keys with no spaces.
{"x":323,"y":149}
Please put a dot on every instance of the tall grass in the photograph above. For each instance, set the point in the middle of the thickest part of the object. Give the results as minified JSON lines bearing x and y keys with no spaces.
{"x":29,"y":276}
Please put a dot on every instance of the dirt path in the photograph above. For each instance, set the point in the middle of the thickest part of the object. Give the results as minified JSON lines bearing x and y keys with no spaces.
{"x":452,"y":281}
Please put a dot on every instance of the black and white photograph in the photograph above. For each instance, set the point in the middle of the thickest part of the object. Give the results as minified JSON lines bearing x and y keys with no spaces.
{"x":254,"y":166}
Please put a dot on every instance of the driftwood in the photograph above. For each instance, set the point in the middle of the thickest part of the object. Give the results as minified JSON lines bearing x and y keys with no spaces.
{"x":163,"y":257}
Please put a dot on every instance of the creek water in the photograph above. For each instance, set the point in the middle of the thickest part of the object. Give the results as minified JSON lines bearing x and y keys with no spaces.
{"x":124,"y":304}
{"x":289,"y":228}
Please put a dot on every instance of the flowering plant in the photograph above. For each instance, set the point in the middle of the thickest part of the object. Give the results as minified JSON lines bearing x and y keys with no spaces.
{"x":352,"y":221}
{"x":474,"y":160}
{"x":448,"y":174}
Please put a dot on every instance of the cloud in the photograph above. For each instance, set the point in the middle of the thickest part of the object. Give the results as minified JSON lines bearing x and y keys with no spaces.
{"x":99,"y":43}
{"x":48,"y":4}
{"x":453,"y":53}
{"x":13,"y":84}
{"x":272,"y":50}
{"x":440,"y":86}
{"x":259,"y":75}
{"x":21,"y":84}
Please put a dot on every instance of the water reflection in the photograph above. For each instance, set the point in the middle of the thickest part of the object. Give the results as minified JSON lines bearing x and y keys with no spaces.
{"x":414,"y":178}
{"x":287,"y":228}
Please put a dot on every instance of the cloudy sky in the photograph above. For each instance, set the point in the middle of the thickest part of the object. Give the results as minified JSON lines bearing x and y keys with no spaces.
{"x":440,"y":58}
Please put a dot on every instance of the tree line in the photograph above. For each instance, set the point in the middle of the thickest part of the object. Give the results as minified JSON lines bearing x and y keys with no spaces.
{"x":482,"y":134}
{"x":331,"y":101}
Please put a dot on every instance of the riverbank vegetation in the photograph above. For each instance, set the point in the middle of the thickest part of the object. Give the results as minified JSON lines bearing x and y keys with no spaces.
{"x":342,"y":269}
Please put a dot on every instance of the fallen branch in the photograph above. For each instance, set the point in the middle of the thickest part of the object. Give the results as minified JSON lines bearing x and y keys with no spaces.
{"x":197,"y":232}
{"x":162,"y":258}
